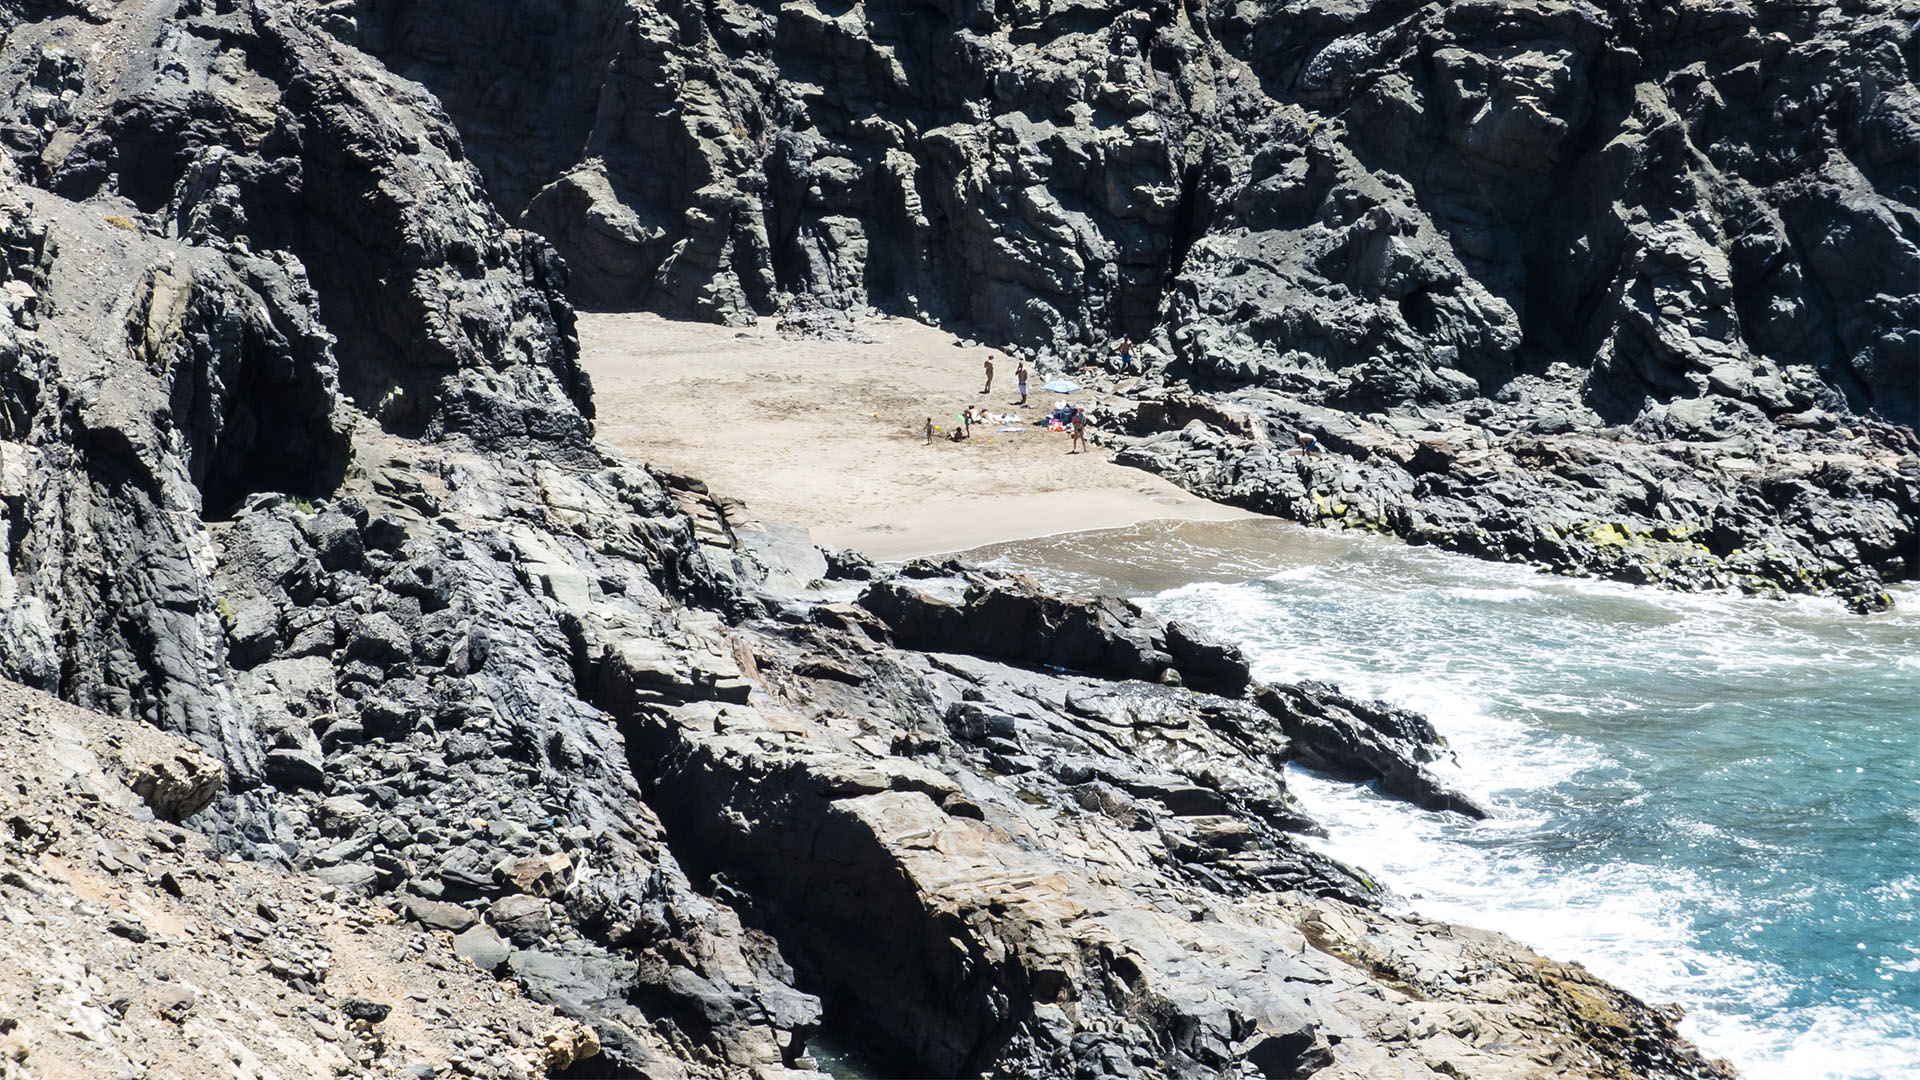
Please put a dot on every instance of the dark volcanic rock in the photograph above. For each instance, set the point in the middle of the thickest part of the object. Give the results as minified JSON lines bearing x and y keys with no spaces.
{"x":1373,"y":202}
{"x":440,"y":915}
{"x":481,"y":947}
{"x":523,"y":918}
{"x":1752,"y":507}
{"x":361,"y":1009}
{"x":1368,"y":740}
{"x":1011,"y":618}
{"x":294,"y":767}
{"x":146,"y":938}
{"x":1011,"y":835}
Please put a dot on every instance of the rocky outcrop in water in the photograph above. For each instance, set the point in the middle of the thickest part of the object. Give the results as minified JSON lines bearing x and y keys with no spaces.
{"x":1690,"y":231}
{"x":1014,"y":619}
{"x":951,"y":608}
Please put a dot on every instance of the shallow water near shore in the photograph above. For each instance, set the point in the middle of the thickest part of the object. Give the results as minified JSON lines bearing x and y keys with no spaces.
{"x":1710,"y":800}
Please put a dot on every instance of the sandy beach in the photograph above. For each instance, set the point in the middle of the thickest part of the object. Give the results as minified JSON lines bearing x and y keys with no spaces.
{"x":829,"y":435}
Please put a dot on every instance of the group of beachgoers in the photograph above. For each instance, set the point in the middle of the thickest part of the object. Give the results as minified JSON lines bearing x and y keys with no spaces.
{"x":1069,"y":417}
{"x":1065,"y":416}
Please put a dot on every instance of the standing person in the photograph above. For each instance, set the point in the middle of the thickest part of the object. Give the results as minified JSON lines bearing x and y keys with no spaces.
{"x":1126,"y":353}
{"x":1020,"y":373}
{"x":1078,"y":425}
{"x":929,"y":431}
{"x":988,"y":389}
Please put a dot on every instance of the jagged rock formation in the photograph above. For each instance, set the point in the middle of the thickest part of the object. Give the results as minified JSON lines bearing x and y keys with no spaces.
{"x":1497,"y":222}
{"x":947,"y":608}
{"x":1375,"y":202}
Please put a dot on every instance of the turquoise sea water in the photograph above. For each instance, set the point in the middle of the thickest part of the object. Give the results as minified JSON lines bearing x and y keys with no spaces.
{"x":1710,"y":800}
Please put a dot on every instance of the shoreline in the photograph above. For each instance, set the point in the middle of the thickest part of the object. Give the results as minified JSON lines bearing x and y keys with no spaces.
{"x":1011,"y":526}
{"x":827,"y":435}
{"x":1304,"y":565}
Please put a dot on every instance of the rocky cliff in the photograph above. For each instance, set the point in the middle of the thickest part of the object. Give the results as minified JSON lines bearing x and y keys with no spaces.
{"x":1642,"y":279}
{"x":295,"y":463}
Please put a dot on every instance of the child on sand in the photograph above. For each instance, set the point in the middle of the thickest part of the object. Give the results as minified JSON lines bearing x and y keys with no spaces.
{"x":1078,"y":425}
{"x":929,"y":431}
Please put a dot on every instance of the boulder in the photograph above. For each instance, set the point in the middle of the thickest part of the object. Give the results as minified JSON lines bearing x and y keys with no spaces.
{"x":351,"y":877}
{"x":175,"y":783}
{"x":483,"y":948}
{"x":539,"y":876}
{"x":525,"y":919}
{"x":341,"y":815}
{"x":379,"y":640}
{"x":438,"y":914}
{"x":336,"y":541}
{"x":359,"y":1008}
{"x":1366,"y":740}
{"x":295,"y":767}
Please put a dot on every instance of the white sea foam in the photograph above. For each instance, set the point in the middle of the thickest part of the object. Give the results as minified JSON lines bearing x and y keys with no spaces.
{"x":1610,"y":915}
{"x":1493,"y":594}
{"x":1625,"y":923}
{"x":1528,"y":679}
{"x":1831,"y":1044}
